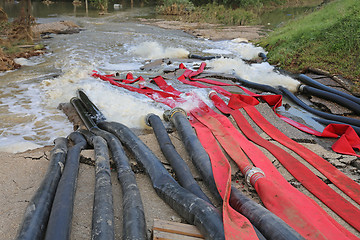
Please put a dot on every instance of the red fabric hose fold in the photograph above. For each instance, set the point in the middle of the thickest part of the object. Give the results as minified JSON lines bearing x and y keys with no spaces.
{"x":304,"y":175}
{"x":236,"y":226}
{"x":295,"y":208}
{"x":346,"y":143}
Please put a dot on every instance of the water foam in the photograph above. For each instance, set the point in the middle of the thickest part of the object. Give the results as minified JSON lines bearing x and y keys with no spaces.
{"x":247,"y":51}
{"x":217,"y":51}
{"x":153,"y":50}
{"x":194,"y":98}
{"x":15,"y":144}
{"x":116,"y":103}
{"x":260,"y":73}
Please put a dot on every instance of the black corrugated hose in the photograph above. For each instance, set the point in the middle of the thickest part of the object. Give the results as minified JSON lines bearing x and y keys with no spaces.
{"x":311,"y":82}
{"x":103,"y":211}
{"x":194,"y":56}
{"x":346,"y":120}
{"x":271,"y":226}
{"x":38,"y":210}
{"x":182,"y":171}
{"x":134,"y":225}
{"x":59,"y":225}
{"x":197,"y":153}
{"x":262,"y":87}
{"x":355,"y":107}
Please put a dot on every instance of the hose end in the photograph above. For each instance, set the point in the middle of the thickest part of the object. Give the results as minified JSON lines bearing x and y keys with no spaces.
{"x":263,"y":56}
{"x":253,"y":174}
{"x":168,"y":114}
{"x":147,"y":120}
{"x":211,"y":93}
{"x":301,"y":87}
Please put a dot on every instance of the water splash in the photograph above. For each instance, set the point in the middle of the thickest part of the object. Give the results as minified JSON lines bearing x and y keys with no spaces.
{"x":153,"y":50}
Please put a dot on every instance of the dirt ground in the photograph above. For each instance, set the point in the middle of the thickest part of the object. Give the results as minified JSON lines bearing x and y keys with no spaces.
{"x":213,"y":32}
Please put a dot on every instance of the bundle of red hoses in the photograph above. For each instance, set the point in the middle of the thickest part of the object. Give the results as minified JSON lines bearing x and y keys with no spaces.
{"x":299,"y":211}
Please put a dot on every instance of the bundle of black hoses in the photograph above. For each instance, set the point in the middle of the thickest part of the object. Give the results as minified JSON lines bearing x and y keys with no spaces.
{"x":270,"y":226}
{"x":355,"y":107}
{"x":179,"y":166}
{"x":346,"y":120}
{"x":134,"y":225}
{"x":37,"y":212}
{"x":59,"y":224}
{"x":192,"y":208}
{"x":311,"y":82}
{"x":319,"y":90}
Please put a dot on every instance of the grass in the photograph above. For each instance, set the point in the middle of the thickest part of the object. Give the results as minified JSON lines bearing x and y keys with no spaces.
{"x":328,"y":39}
{"x":217,"y":12}
{"x":214,"y":13}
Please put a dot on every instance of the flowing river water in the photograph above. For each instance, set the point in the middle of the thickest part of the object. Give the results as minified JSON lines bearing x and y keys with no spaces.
{"x":117,"y":42}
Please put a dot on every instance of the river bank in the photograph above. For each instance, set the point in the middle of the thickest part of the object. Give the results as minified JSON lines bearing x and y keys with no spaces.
{"x":215,"y":32}
{"x":35,"y":47}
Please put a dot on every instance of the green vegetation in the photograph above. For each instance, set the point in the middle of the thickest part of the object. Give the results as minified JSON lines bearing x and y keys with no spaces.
{"x":227,"y":12}
{"x":328,"y":39}
{"x":175,"y":7}
{"x":208,"y":13}
{"x":214,"y":13}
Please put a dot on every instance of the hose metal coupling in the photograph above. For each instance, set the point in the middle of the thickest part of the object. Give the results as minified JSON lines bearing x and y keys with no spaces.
{"x":211,"y":93}
{"x":253,"y":174}
{"x":168,"y":114}
{"x":301,"y":88}
{"x":147,"y":122}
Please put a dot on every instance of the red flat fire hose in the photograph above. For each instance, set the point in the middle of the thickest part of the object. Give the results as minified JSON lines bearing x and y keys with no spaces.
{"x":345,"y":144}
{"x":304,"y":175}
{"x":236,"y":226}
{"x":319,"y":225}
{"x":276,"y":193}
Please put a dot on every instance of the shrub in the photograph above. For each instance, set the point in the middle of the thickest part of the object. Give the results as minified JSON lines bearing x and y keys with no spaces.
{"x":175,"y":7}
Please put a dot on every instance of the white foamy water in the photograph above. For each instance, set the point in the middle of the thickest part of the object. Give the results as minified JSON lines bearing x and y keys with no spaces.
{"x":217,"y":51}
{"x":29,"y":97}
{"x":247,"y":51}
{"x":258,"y":72}
{"x":153,"y":50}
{"x":117,"y":104}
